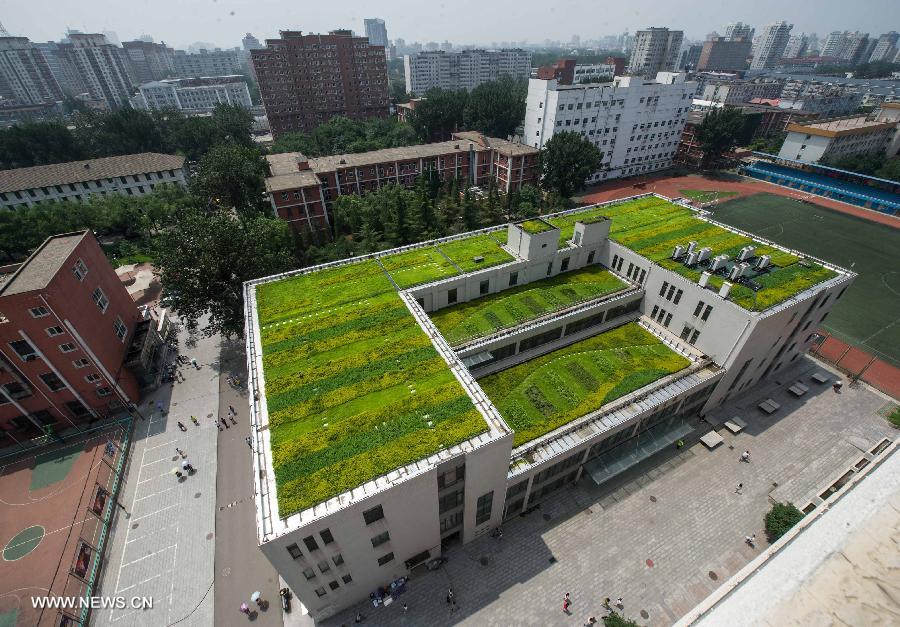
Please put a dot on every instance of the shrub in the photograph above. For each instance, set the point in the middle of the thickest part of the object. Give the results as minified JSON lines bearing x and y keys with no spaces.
{"x":780,"y":519}
{"x":895,"y":417}
{"x":617,"y":620}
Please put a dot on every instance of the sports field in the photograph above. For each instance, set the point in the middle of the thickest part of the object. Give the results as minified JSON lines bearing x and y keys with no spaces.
{"x":868,"y":315}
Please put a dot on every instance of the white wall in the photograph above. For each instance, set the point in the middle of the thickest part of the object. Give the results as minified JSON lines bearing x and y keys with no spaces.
{"x":801,"y":147}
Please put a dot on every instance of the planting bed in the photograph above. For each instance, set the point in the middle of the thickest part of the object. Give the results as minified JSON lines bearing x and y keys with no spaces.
{"x":354,"y":387}
{"x":549,"y":391}
{"x":489,"y":314}
{"x":652,"y":227}
{"x":464,"y":251}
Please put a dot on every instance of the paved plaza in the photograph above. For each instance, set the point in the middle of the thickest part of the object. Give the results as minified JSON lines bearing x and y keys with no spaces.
{"x":662,"y":537}
{"x":163,"y":543}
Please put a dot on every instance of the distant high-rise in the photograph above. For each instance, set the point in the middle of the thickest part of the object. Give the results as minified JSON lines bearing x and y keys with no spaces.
{"x":462,"y":70}
{"x":856,"y":48}
{"x":796,"y":47}
{"x":305,"y":80}
{"x":150,"y":61}
{"x":25,"y":76}
{"x":102,"y":69}
{"x":885,"y":48}
{"x":207,"y":63}
{"x":376,"y":32}
{"x":724,"y":55}
{"x":739,"y":30}
{"x":690,"y":57}
{"x":834,"y":44}
{"x":655,"y":50}
{"x":249,"y":42}
{"x":772,"y":42}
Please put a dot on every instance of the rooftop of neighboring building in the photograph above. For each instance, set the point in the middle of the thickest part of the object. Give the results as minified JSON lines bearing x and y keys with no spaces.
{"x":842,"y":126}
{"x":38,"y":270}
{"x":87,"y":170}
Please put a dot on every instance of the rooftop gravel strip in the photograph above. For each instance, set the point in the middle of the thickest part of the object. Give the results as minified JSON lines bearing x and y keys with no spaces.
{"x":652,"y":227}
{"x":552,"y":390}
{"x":518,"y":305}
{"x":354,"y":387}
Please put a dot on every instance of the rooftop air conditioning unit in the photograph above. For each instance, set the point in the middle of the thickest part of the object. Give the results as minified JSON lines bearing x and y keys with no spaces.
{"x":704,"y":254}
{"x":691,"y":247}
{"x":704,"y":279}
{"x":763,"y":262}
{"x":718,"y":262}
{"x":725,"y":289}
{"x":736,"y":271}
{"x":679,"y":250}
{"x":691,"y":259}
{"x":746,"y":253}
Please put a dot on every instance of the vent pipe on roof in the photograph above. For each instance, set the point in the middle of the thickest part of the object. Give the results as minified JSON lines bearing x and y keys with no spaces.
{"x":725,"y":289}
{"x":704,"y":279}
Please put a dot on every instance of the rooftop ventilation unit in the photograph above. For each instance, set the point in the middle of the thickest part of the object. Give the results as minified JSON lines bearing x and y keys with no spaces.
{"x":691,"y":259}
{"x":718,"y":262}
{"x":746,"y":253}
{"x":704,"y":254}
{"x":678,"y":252}
{"x":704,"y":279}
{"x":763,"y":262}
{"x":725,"y":289}
{"x":691,"y":247}
{"x":738,"y":270}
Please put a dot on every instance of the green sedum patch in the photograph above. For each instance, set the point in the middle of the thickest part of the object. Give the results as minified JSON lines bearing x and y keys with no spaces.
{"x":354,"y":387}
{"x":652,"y":227}
{"x":463,"y":252}
{"x":511,"y":307}
{"x":422,"y":265}
{"x":534,"y":226}
{"x":547,"y":392}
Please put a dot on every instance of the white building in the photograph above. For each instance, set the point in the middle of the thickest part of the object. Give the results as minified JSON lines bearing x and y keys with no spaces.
{"x":101,"y":69}
{"x":25,"y":76}
{"x":635,"y":123}
{"x":207,"y":63}
{"x":843,"y":137}
{"x":202,"y":94}
{"x":594,"y":72}
{"x":655,"y":50}
{"x":342,"y":545}
{"x":885,"y":48}
{"x":739,"y":30}
{"x":130,"y":175}
{"x":772,"y":43}
{"x":376,"y":31}
{"x":462,"y":70}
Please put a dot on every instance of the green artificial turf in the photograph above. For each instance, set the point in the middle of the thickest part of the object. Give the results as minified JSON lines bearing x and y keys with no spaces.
{"x":705,"y":196}
{"x":491,"y":313}
{"x":652,"y":227}
{"x":354,"y":388}
{"x":547,"y":392}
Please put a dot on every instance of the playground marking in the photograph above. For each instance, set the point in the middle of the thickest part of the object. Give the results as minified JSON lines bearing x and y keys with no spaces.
{"x":150,"y":496}
{"x":140,"y":559}
{"x":155,"y":512}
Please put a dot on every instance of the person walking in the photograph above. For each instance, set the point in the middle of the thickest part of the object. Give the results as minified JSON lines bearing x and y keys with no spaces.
{"x":745,"y":456}
{"x":567,"y":601}
{"x":451,"y":600}
{"x":249,"y":442}
{"x":231,"y":411}
{"x":740,"y":488}
{"x":405,"y":608}
{"x":224,"y":422}
{"x":620,"y":603}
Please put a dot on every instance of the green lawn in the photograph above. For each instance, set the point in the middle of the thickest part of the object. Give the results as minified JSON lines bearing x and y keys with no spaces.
{"x":868,"y":315}
{"x":705,"y":196}
{"x":652,"y":227}
{"x":463,"y":252}
{"x":544,"y":393}
{"x":511,"y":307}
{"x":422,"y":265}
{"x":353,"y":386}
{"x":534,"y":226}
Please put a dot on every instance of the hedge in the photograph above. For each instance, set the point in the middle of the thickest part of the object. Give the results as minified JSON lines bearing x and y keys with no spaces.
{"x":780,"y":519}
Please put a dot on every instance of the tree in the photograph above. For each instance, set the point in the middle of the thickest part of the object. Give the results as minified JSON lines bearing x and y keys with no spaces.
{"x":231,"y":175}
{"x":864,"y":164}
{"x":780,"y":519}
{"x":614,"y":619}
{"x":718,"y":133}
{"x":890,"y":170}
{"x":770,"y":143}
{"x":342,"y":135}
{"x":439,"y":114}
{"x":496,"y":108}
{"x":38,"y":143}
{"x":204,"y":259}
{"x":234,"y":123}
{"x":398,"y":91}
{"x":122,"y":132}
{"x":566,"y":162}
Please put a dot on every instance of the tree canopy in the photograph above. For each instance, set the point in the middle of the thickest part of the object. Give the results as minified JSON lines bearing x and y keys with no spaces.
{"x":719,"y":132}
{"x":231,"y":176}
{"x":870,"y":165}
{"x":342,"y":135}
{"x":439,"y":114}
{"x":566,"y":162}
{"x":496,"y":108}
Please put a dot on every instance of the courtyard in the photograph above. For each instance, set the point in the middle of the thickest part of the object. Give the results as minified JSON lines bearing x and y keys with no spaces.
{"x":664,"y":535}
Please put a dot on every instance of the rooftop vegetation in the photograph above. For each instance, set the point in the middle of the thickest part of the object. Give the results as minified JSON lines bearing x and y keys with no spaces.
{"x":494,"y":312}
{"x":535,"y":226}
{"x":547,"y":392}
{"x":354,"y":387}
{"x":652,"y":227}
{"x":464,"y":252}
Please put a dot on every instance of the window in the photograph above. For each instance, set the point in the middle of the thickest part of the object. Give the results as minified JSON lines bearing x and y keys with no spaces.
{"x":103,"y":391}
{"x":338,"y":559}
{"x":52,"y":381}
{"x":310,"y":543}
{"x":320,"y":592}
{"x":706,"y":312}
{"x":24,"y":349}
{"x":668,"y":320}
{"x":484,"y":287}
{"x":685,"y":332}
{"x":662,"y":290}
{"x":120,"y":328}
{"x":327,"y":538}
{"x":79,"y":270}
{"x":451,"y":477}
{"x":334,"y":585}
{"x":92,"y":378}
{"x":80,"y":363}
{"x":450,"y":501}
{"x":678,"y":296}
{"x":451,"y":296}
{"x":671,"y":292}
{"x":694,"y":337}
{"x":484,"y":506}
{"x":381,"y":538}
{"x":614,"y":261}
{"x":564,"y":265}
{"x":324,"y":566}
{"x":309,"y":573}
{"x":698,"y":308}
{"x":39,"y":312}
{"x":347,"y":578}
{"x":54,"y":331}
{"x":68,"y":347}
{"x":453,"y":520}
{"x":384,"y":559}
{"x":643,"y":275}
{"x":100,"y":300}
{"x":590,"y":258}
{"x":371,"y":515}
{"x":295,"y":552}
{"x":655,"y":311}
{"x":513,"y":278}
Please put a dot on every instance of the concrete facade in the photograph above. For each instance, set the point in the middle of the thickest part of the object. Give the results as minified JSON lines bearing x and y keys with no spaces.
{"x":150,"y":61}
{"x":200,"y":94}
{"x":721,"y":54}
{"x":101,"y":69}
{"x":655,"y":50}
{"x":25,"y":76}
{"x":635,"y":123}
{"x":206,"y":63}
{"x":462,"y":70}
{"x":834,"y":139}
{"x":772,"y":43}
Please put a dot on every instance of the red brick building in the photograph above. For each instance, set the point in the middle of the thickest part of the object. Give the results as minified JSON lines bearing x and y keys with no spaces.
{"x":69,"y":334}
{"x":302,"y":190}
{"x":562,"y":71}
{"x":305,"y":80}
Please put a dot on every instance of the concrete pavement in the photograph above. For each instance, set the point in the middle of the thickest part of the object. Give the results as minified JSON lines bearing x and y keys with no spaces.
{"x":162,"y":546}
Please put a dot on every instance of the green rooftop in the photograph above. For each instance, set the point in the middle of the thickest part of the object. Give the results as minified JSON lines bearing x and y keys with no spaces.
{"x":652,"y":227}
{"x":535,"y":226}
{"x":549,"y":391}
{"x":486,"y":315}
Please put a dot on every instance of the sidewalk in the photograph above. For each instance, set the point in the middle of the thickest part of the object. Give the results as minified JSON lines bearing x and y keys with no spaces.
{"x":241,"y":568}
{"x":162,"y":545}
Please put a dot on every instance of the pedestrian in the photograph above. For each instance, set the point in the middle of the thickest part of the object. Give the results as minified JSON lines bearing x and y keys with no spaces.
{"x":740,"y":488}
{"x":405,"y":608}
{"x":451,"y":599}
{"x":591,"y":621}
{"x":224,"y":422}
{"x":233,"y":421}
{"x":195,"y":364}
{"x":745,"y":456}
{"x":179,"y":452}
{"x":249,"y":442}
{"x":619,"y":603}
{"x":566,"y":603}
{"x":231,"y":410}
{"x":751,"y":540}
{"x":359,"y":618}
{"x":606,"y":602}
{"x":159,"y":406}
{"x":245,"y":609}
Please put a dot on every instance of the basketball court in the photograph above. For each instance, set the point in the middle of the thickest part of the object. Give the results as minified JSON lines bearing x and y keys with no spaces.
{"x":55,"y":506}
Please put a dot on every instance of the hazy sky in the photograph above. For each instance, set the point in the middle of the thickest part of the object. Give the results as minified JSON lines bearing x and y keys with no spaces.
{"x":224,"y":22}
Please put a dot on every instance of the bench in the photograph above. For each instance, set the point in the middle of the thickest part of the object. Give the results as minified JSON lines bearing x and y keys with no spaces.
{"x":769,"y":406}
{"x":712,"y":440}
{"x":735,"y":424}
{"x":798,"y":389}
{"x":821,"y":377}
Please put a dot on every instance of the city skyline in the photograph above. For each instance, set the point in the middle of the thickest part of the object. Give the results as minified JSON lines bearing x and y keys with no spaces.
{"x":225,"y":22}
